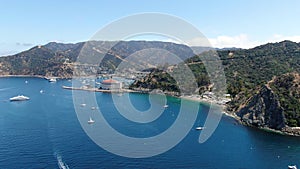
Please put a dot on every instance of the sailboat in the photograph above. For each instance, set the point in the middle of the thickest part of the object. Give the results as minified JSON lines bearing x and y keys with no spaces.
{"x":91,"y":121}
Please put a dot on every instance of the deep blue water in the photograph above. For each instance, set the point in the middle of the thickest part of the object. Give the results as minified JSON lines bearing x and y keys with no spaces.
{"x":33,"y":133}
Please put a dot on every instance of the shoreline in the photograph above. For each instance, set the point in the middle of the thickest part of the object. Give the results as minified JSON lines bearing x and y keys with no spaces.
{"x":189,"y":98}
{"x":34,"y":76}
{"x":287,"y":131}
{"x":211,"y":102}
{"x":44,"y":77}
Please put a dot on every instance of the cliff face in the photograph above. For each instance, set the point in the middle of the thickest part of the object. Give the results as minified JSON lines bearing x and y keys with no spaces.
{"x":287,"y":88}
{"x":276,"y":105}
{"x":263,"y":110}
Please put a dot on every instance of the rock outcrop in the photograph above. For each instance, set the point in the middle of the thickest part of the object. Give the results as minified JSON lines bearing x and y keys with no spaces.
{"x":275,"y":106}
{"x":263,"y":110}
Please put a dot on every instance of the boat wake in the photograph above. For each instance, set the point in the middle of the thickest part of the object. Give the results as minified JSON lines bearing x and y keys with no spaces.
{"x":3,"y":89}
{"x":60,"y":163}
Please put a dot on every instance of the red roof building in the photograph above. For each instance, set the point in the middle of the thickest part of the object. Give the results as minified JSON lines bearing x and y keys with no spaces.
{"x":111,"y":84}
{"x":109,"y":81}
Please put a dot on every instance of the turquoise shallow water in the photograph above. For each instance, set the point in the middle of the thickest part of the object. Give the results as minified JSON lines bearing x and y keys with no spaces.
{"x":33,"y":133}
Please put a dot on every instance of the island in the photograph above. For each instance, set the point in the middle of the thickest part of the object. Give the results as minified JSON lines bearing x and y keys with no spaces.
{"x":262,"y":82}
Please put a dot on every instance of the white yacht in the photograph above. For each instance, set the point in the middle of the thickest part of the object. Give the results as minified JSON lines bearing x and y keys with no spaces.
{"x":200,"y":128}
{"x":91,"y":121}
{"x":19,"y":98}
{"x":52,"y":80}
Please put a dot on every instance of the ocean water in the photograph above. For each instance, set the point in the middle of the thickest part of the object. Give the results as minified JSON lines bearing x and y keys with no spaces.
{"x":44,"y":130}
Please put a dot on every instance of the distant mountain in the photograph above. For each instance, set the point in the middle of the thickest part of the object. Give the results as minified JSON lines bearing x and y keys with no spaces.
{"x":36,"y":61}
{"x":62,"y":47}
{"x":57,"y":59}
{"x":201,"y":49}
{"x":228,"y":49}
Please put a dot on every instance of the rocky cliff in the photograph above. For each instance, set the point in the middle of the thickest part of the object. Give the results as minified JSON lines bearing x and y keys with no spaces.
{"x":263,"y":110}
{"x":275,"y":106}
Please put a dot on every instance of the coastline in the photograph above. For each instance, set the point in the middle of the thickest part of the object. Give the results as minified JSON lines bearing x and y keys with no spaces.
{"x":44,"y":77}
{"x":35,"y":76}
{"x":189,"y":98}
{"x":211,"y":102}
{"x":286,"y":131}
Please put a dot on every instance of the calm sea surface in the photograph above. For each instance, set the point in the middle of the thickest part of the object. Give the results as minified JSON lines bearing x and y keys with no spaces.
{"x":39,"y":132}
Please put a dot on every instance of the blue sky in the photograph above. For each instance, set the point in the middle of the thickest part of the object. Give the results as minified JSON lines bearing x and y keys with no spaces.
{"x":244,"y":23}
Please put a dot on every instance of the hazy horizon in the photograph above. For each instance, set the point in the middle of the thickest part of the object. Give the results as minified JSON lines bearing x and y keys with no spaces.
{"x":16,"y":52}
{"x":225,"y":24}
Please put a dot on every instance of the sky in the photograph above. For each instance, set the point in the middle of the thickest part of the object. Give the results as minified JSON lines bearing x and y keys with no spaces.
{"x":228,"y":23}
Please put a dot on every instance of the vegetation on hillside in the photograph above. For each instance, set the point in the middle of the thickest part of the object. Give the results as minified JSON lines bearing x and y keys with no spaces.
{"x":247,"y":70}
{"x":287,"y":88}
{"x":57,"y":59}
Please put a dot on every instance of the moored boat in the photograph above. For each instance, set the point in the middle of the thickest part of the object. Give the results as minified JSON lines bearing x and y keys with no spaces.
{"x":200,"y":128}
{"x":91,"y":121}
{"x":52,"y":80}
{"x":19,"y":98}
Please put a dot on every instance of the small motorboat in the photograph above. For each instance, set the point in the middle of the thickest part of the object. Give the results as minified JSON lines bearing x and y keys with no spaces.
{"x":52,"y":80}
{"x":83,"y":105}
{"x":91,"y":121}
{"x":292,"y":167}
{"x":165,"y":106}
{"x":200,"y":128}
{"x":19,"y":98}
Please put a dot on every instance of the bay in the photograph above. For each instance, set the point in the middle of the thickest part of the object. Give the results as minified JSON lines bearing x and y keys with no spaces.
{"x":35,"y":132}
